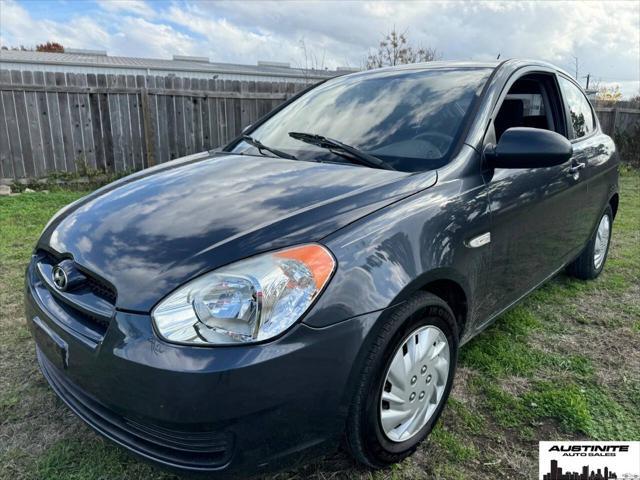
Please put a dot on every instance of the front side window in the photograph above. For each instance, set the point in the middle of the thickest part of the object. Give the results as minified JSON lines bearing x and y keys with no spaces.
{"x":582,"y":120}
{"x":527,"y":104}
{"x":410,"y":119}
{"x":532,"y":103}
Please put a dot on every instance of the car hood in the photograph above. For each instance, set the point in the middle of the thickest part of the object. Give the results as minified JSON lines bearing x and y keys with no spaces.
{"x":151,"y":232}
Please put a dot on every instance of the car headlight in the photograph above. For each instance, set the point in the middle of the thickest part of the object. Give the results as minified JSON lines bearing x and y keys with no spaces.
{"x":248,"y":301}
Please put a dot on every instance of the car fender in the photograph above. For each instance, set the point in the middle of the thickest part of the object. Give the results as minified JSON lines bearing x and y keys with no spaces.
{"x":388,"y":255}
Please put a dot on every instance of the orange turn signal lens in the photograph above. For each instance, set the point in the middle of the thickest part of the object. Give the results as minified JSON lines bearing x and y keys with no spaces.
{"x":317,"y":259}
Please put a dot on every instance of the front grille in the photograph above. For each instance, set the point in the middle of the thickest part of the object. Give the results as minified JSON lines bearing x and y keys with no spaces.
{"x":196,"y":451}
{"x":96,"y":285}
{"x":102,"y":289}
{"x":191,"y":441}
{"x":90,"y":304}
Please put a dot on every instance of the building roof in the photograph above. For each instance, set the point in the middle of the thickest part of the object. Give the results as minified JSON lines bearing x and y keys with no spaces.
{"x":98,"y":59}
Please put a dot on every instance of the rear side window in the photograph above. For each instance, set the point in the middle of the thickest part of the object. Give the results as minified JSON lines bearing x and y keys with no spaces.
{"x":582,"y":119}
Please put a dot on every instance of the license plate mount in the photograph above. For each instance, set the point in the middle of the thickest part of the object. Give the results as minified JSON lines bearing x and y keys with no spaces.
{"x":56,"y":348}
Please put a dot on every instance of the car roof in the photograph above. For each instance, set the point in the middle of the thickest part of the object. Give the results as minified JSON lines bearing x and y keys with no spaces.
{"x":444,"y":64}
{"x":511,"y":64}
{"x":435,"y":65}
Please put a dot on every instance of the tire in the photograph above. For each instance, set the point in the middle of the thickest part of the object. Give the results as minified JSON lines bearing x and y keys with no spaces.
{"x":422,"y":314}
{"x":586,"y":267}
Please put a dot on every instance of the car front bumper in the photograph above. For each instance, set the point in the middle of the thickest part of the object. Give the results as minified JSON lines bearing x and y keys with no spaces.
{"x":231,"y":410}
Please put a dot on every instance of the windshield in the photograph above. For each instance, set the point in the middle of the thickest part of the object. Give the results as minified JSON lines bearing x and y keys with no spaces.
{"x":409,"y":119}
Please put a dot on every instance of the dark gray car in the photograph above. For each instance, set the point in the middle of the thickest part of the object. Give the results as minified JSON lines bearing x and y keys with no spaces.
{"x":230,"y":312}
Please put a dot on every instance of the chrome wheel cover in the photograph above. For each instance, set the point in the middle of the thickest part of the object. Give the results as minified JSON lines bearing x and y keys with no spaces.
{"x":414,"y":383}
{"x":602,"y":241}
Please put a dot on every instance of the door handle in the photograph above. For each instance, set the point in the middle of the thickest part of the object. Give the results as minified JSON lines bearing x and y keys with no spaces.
{"x":573,"y":169}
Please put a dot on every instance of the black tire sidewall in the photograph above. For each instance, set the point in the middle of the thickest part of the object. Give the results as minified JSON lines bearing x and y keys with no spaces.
{"x":375,"y":441}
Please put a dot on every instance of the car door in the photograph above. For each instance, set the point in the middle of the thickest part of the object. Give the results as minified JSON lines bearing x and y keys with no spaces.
{"x":533,"y":210}
{"x":590,"y":154}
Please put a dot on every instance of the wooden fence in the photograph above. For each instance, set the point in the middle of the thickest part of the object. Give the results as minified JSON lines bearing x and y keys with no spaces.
{"x":617,"y":119}
{"x":64,"y":122}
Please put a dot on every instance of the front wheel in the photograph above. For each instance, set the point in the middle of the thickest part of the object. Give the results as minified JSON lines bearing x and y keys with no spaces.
{"x":405,"y":382}
{"x":591,"y":261}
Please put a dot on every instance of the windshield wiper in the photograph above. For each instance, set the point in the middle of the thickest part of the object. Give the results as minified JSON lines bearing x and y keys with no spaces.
{"x":261,"y":146}
{"x":341,"y":149}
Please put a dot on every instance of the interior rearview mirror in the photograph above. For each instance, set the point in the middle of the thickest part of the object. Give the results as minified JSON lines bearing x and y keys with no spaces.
{"x":524,"y":147}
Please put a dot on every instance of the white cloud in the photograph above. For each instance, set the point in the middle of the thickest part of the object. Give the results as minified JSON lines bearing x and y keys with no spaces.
{"x":141,"y":38}
{"x":605,"y":36}
{"x":224,"y":40}
{"x":129,"y":35}
{"x":137,"y":7}
{"x":19,"y":28}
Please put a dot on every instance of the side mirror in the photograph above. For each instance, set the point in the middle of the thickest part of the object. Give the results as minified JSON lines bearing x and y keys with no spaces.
{"x":524,"y":147}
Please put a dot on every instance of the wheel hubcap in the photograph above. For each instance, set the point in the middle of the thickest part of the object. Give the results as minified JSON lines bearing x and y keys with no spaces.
{"x":414,"y":383}
{"x":602,"y":241}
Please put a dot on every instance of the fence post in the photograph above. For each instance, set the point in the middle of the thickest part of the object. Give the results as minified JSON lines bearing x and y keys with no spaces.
{"x":149,"y":132}
{"x":615,"y":121}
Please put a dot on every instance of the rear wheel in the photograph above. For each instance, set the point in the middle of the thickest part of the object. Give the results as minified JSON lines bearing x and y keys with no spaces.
{"x":591,"y":261}
{"x":405,"y":382}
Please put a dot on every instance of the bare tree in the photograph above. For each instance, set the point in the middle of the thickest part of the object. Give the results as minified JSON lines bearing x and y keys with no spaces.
{"x":394,"y":49}
{"x":311,"y":61}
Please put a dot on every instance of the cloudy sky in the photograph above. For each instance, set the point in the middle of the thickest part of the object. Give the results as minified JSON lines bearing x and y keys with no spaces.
{"x":603,"y":36}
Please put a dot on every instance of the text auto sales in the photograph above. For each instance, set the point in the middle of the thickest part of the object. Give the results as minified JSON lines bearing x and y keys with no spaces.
{"x":589,"y":450}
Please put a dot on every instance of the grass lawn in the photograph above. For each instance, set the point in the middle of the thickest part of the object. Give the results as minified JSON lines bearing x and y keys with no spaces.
{"x":564,"y":364}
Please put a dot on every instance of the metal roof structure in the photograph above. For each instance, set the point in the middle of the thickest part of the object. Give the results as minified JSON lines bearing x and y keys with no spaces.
{"x":94,"y":61}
